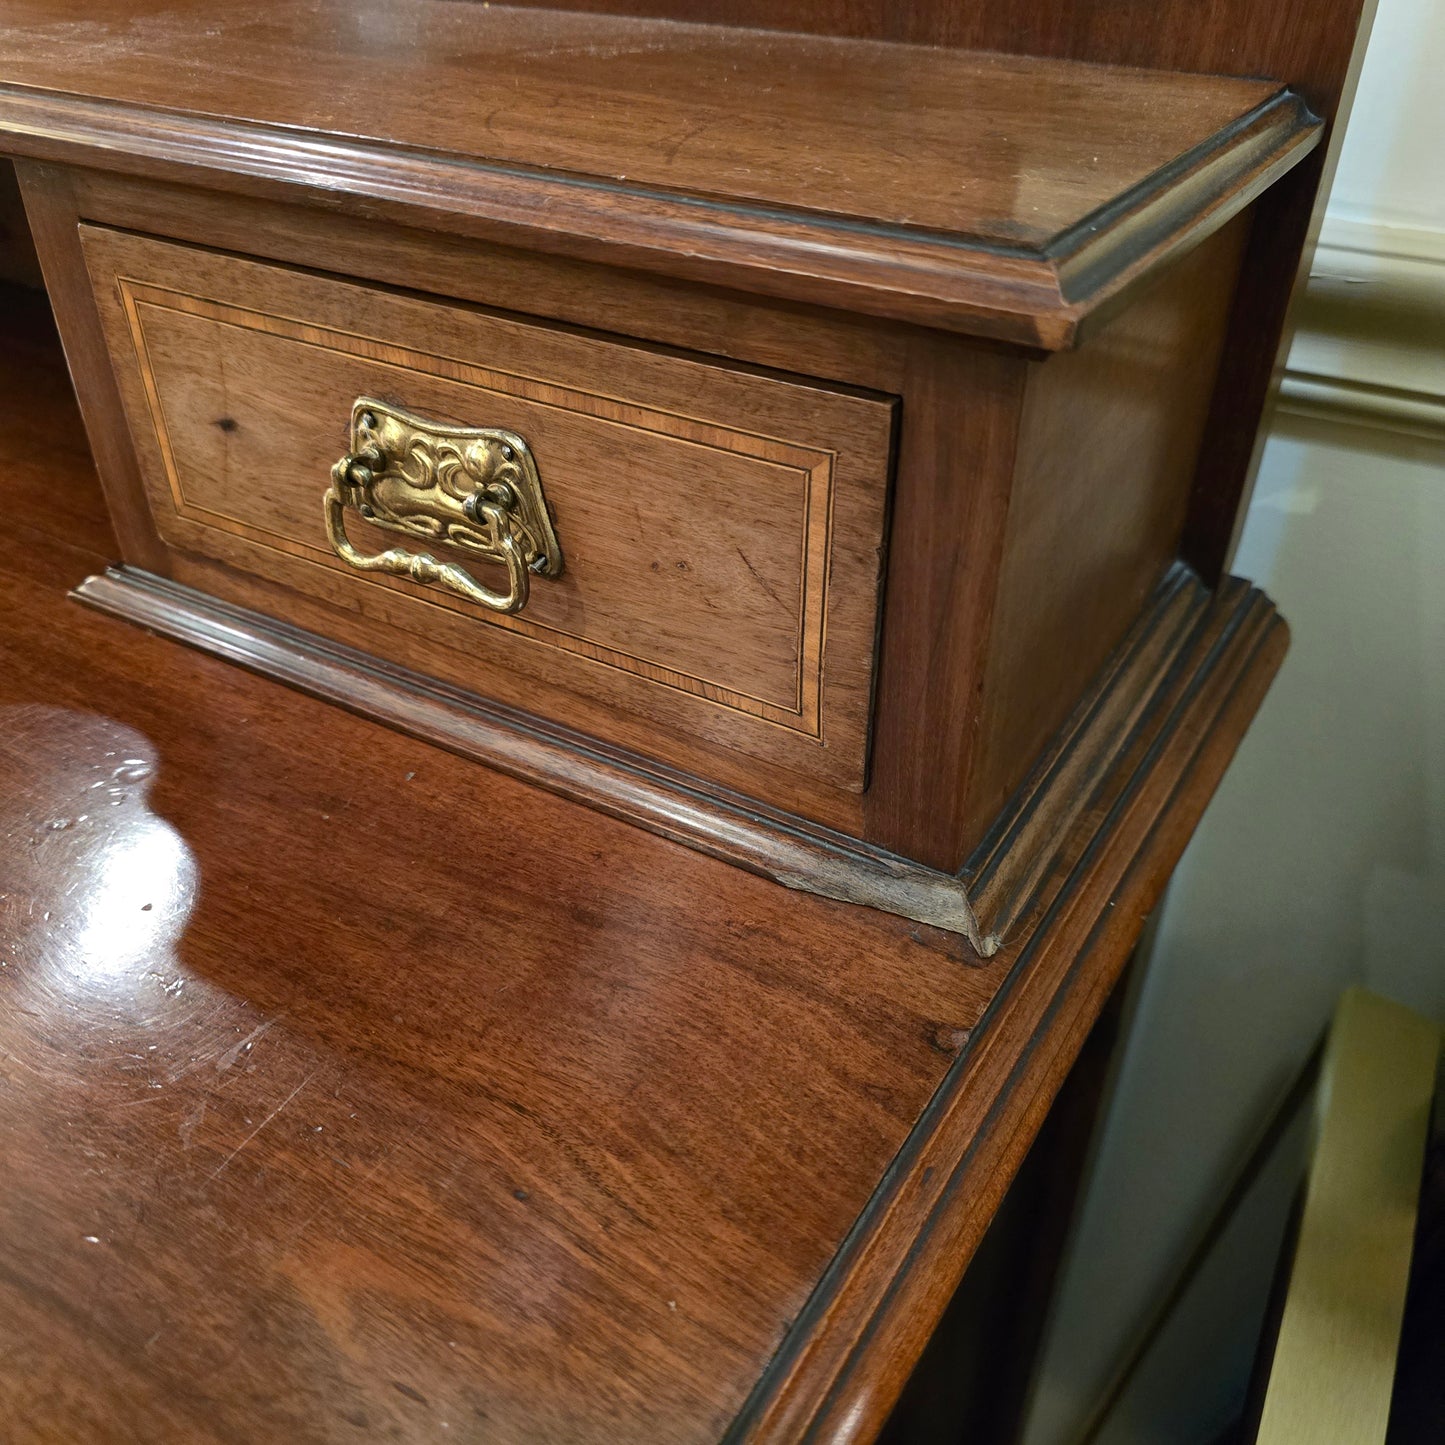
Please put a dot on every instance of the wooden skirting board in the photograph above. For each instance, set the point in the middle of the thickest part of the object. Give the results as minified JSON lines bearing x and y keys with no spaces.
{"x":1367,"y":349}
{"x":1168,"y":681}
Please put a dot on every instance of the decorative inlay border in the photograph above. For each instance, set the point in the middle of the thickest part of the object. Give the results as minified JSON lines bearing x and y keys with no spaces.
{"x":813,"y":467}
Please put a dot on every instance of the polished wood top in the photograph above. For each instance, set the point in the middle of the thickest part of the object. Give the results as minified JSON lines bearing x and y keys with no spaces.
{"x":985,"y":181}
{"x":355,"y":1086}
{"x":1008,"y":150}
{"x":348,"y":1086}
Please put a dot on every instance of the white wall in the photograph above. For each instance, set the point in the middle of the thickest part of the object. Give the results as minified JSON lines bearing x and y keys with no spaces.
{"x":1392,"y":168}
{"x":1322,"y":859}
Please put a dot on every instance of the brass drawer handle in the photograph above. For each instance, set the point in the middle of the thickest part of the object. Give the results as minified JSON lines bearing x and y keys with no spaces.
{"x":476,"y":488}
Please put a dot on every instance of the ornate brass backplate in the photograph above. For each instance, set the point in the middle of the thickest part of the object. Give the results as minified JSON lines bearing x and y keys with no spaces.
{"x":475,"y":488}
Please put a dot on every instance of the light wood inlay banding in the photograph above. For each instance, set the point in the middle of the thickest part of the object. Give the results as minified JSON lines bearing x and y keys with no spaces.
{"x":722,"y":528}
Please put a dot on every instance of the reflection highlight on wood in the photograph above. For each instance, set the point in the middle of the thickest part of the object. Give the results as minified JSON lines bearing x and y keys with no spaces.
{"x":451,"y":1133}
{"x":415,"y":1160}
{"x":817,"y":170}
{"x":358,"y":1126}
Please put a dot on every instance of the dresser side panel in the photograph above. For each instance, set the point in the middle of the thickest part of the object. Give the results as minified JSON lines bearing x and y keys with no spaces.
{"x":1107,"y":450}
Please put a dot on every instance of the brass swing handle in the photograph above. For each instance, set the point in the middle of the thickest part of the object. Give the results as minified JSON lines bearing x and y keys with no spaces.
{"x":475,"y":488}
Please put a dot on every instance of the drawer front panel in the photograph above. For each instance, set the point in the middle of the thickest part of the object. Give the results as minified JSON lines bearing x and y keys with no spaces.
{"x":721,"y":531}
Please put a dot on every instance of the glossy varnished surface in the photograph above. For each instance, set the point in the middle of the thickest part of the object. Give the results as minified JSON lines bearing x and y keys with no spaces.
{"x":721,"y":530}
{"x":1006,"y":149}
{"x":1000,"y":196}
{"x":352,"y":1090}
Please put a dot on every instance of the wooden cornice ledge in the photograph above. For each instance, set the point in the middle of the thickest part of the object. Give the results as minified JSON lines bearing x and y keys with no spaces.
{"x":1039,"y":296}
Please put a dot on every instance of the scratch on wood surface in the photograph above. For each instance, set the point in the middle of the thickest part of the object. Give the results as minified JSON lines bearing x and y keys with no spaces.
{"x":330,"y":1200}
{"x":758,"y":577}
{"x":279,"y":1107}
{"x":191,"y":1124}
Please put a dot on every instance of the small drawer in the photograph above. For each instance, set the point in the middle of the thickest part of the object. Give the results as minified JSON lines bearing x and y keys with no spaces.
{"x":661,"y":549}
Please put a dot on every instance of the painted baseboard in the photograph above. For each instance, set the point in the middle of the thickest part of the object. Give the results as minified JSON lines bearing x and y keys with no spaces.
{"x":1371,"y":341}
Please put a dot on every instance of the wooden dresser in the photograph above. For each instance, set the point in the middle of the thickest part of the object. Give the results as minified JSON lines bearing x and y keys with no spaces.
{"x":743,"y":515}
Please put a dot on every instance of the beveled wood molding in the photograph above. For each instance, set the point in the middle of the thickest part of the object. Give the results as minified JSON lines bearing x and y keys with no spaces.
{"x":838,"y":1372}
{"x":1187,"y":638}
{"x":786,"y":849}
{"x":1034,"y":296}
{"x":1182,"y":636}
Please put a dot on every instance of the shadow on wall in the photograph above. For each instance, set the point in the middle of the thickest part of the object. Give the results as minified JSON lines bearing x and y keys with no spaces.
{"x":1320,"y":863}
{"x":1332,"y":840}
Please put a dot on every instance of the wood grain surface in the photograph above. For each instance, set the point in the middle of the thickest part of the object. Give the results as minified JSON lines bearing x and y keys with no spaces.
{"x":856,"y":351}
{"x":1317,"y":47}
{"x":17,"y":253}
{"x":865,"y":130}
{"x":1098,"y":523}
{"x":1108,"y":438}
{"x":350,"y":1086}
{"x":722,"y":530}
{"x":1309,"y":45}
{"x":353,"y":1086}
{"x":987,"y":466}
{"x":1002,"y":195}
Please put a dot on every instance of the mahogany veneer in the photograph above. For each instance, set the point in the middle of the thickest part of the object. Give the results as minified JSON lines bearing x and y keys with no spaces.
{"x":881,"y":395}
{"x":722,"y":529}
{"x":353,"y":1087}
{"x":836,"y":576}
{"x":1002,"y":195}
